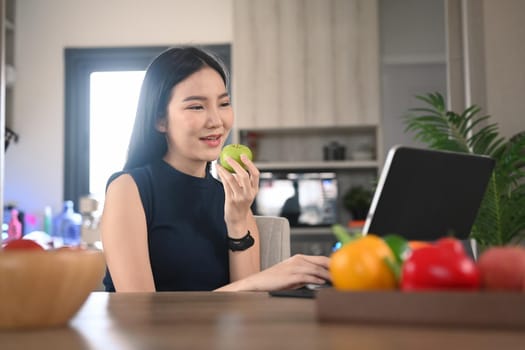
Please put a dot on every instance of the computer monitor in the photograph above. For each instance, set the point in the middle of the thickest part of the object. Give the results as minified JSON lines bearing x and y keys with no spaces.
{"x":304,"y":198}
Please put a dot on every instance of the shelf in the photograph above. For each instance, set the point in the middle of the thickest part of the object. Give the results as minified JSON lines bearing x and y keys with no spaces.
{"x":311,"y":231}
{"x":351,"y":152}
{"x":309,"y":129}
{"x":313,"y":148}
{"x":321,"y":165}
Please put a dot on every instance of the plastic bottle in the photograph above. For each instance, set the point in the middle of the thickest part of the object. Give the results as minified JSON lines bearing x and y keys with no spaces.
{"x":48,"y":221}
{"x":66,"y":226}
{"x":14,"y":227}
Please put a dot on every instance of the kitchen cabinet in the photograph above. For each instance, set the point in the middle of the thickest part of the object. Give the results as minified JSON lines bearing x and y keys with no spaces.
{"x":300,"y":63}
{"x":305,"y":75}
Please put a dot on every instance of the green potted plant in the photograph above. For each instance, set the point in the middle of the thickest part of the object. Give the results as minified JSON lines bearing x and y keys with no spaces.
{"x":501,"y":216}
{"x":357,"y":201}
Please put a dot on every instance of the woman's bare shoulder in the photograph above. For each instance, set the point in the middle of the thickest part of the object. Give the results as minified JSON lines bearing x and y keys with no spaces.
{"x":122,"y":185}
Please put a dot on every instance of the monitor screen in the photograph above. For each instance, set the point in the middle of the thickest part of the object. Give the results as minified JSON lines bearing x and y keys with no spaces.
{"x":304,"y":198}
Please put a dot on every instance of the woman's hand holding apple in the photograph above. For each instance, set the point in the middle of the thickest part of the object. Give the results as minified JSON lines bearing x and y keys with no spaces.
{"x":240,"y":188}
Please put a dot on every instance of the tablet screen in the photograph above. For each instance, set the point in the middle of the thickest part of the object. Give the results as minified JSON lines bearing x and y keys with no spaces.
{"x":427,"y":194}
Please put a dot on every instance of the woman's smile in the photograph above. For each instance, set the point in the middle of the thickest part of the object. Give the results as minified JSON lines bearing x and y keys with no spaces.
{"x":212,"y":140}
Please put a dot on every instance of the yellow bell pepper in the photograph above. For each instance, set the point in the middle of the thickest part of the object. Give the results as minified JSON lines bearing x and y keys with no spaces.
{"x":362,"y":264}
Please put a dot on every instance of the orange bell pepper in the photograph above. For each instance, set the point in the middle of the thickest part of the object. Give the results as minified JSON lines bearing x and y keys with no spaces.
{"x":362,"y":264}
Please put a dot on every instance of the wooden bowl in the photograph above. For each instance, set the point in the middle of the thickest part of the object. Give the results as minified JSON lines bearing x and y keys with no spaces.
{"x":46,"y":288}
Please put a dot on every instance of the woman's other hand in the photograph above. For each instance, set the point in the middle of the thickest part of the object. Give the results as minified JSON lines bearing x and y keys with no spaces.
{"x":294,"y":272}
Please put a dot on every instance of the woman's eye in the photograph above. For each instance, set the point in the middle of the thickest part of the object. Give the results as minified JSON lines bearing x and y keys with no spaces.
{"x":196,"y":107}
{"x":225,"y":104}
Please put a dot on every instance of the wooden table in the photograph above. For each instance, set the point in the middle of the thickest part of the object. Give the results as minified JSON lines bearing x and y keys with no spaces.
{"x":202,"y":320}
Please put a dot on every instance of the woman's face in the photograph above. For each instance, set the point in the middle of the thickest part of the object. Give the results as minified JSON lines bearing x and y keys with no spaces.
{"x":199,"y":119}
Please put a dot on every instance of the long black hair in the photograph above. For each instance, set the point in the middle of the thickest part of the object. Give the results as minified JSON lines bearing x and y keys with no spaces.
{"x":172,"y":66}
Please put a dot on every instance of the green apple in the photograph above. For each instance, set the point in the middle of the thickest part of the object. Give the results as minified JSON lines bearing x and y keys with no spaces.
{"x":234,"y":151}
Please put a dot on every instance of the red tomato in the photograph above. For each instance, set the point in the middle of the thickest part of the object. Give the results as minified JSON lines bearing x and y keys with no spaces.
{"x":22,"y":244}
{"x":503,"y":268}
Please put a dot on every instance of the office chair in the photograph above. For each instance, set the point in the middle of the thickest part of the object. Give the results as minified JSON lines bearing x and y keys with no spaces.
{"x":274,"y":235}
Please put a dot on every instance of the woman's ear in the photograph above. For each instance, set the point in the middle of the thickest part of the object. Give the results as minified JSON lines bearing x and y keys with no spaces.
{"x":161,"y":125}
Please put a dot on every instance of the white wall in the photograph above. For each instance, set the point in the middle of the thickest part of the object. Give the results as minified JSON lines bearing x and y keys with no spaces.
{"x":34,"y":166}
{"x":504,"y":32}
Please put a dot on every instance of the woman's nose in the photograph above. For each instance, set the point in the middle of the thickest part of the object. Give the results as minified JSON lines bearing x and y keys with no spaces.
{"x":214,"y":118}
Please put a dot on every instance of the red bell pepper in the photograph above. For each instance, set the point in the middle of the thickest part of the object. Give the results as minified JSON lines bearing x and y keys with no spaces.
{"x":443,"y":265}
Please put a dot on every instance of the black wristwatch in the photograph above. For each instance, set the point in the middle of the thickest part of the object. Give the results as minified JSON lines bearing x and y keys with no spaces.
{"x":243,"y":243}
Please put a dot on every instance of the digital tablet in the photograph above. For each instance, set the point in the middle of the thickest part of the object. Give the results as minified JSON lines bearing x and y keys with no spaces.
{"x":426,"y":194}
{"x":308,"y":291}
{"x":294,"y":293}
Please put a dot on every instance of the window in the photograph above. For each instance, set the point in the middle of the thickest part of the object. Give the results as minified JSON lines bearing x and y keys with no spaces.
{"x":113,"y":102}
{"x":90,"y":115}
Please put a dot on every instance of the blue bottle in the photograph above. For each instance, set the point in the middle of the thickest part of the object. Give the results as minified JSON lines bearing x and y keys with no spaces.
{"x":66,"y":227}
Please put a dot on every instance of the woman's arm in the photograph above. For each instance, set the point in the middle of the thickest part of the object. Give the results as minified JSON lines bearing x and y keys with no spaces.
{"x":291,"y":273}
{"x":124,"y":237}
{"x":240,"y":190}
{"x":246,"y":262}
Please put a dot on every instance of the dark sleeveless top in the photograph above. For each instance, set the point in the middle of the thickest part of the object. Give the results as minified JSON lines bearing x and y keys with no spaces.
{"x":187,"y":236}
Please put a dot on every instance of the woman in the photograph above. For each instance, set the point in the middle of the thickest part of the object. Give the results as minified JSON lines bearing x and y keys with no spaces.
{"x":169,"y":225}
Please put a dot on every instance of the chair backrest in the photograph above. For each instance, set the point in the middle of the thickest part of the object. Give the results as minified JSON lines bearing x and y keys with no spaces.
{"x":274,"y":235}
